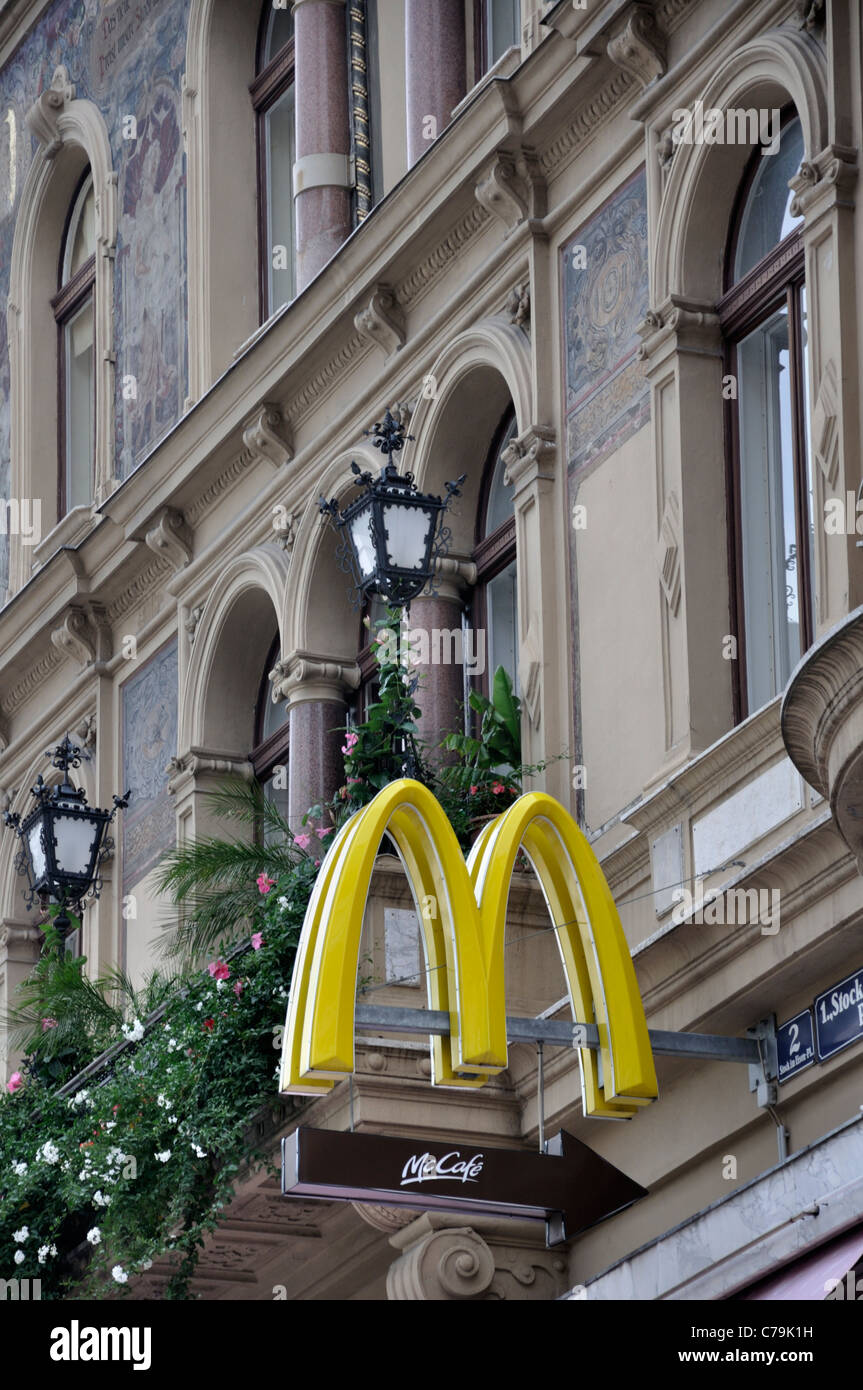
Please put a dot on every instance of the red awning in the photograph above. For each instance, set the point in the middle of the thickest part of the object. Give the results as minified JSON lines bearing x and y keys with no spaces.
{"x":811,"y":1279}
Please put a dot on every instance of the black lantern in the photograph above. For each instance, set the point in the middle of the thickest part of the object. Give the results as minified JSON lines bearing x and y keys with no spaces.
{"x":394,"y":532}
{"x":62,"y":840}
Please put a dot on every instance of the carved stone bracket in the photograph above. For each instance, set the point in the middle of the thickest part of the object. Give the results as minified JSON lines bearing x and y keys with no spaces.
{"x":512,"y":189}
{"x":518,"y":305}
{"x":267,"y":435}
{"x":305,"y":676}
{"x":638,"y":47}
{"x":444,"y":1260}
{"x":185,"y":767}
{"x":84,"y":635}
{"x":669,"y":552}
{"x":453,"y":576}
{"x":830,"y":177}
{"x":382,"y":320}
{"x":171,"y":538}
{"x":43,"y":114}
{"x":694,"y":326}
{"x":530,"y":457}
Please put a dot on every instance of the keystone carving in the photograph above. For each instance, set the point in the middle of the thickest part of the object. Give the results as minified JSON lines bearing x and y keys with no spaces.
{"x":518,"y":305}
{"x":84,"y":635}
{"x":382,"y":320}
{"x":638,"y":47}
{"x":43,"y":114}
{"x":171,"y":538}
{"x":267,"y":435}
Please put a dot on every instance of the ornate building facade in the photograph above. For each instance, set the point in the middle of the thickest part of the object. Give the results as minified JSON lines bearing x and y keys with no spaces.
{"x":603,"y":257}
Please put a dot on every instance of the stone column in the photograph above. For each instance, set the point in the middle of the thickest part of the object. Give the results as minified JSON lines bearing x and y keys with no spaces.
{"x":322,"y":177}
{"x":317,"y":691}
{"x":435,"y":637}
{"x":435,"y":69}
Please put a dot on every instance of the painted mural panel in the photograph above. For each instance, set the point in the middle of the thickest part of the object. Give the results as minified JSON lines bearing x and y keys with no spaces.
{"x":127,"y":56}
{"x":149,"y":732}
{"x":605,"y":297}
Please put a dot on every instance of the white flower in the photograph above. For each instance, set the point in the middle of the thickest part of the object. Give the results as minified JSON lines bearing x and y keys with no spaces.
{"x":134,"y":1033}
{"x":148,"y":1264}
{"x":161,"y":1101}
{"x":198,"y":1008}
{"x":119,"y":1274}
{"x":220,"y":984}
{"x":283,"y":902}
{"x":199,"y":1152}
{"x":19,"y":1169}
{"x":19,"y":1257}
{"x":53,"y":1250}
{"x":172,"y":1119}
{"x":20,"y":1236}
{"x":49,"y":1152}
{"x":163,"y":1157}
{"x":44,"y":1252}
{"x":82,"y":1098}
{"x":172,"y":1045}
{"x":100,"y":1200}
{"x":94,"y":1236}
{"x":109,"y":1126}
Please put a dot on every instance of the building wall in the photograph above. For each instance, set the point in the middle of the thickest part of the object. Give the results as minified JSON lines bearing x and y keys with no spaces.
{"x":458,"y":295}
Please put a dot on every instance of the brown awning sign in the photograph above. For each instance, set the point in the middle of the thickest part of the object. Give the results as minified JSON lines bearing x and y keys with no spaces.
{"x":569,"y":1187}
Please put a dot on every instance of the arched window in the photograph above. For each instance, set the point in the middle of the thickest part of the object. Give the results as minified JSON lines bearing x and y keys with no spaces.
{"x":269,"y":757}
{"x":763,"y":318}
{"x":496,"y":28}
{"x":73,"y":307}
{"x":273,"y":99}
{"x":495,"y":608}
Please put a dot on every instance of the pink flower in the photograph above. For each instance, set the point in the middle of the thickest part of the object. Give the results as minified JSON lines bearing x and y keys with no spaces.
{"x":498,"y":787}
{"x":322,"y":834}
{"x":351,"y":741}
{"x":354,"y":781}
{"x":238,"y":988}
{"x":209,"y":1024}
{"x":474,"y":789}
{"x":48,"y":1023}
{"x":15,"y":1082}
{"x":257,"y":941}
{"x":317,"y":863}
{"x":219,"y":970}
{"x":303,"y":841}
{"x":265,"y":883}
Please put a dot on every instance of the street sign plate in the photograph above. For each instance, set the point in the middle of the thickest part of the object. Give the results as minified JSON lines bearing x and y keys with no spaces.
{"x":795,"y":1045}
{"x":839,"y":1016}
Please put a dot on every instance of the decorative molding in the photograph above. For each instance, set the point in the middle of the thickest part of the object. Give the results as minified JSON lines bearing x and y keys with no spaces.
{"x":591,"y":115}
{"x":4,"y":744}
{"x":191,"y":620}
{"x":382,"y":320}
{"x":221,"y":484}
{"x":386,"y":1219}
{"x":285,"y":529}
{"x":318,"y":385}
{"x":43,"y":114}
{"x":669,"y":552}
{"x":638,"y":47}
{"x":84,"y":635}
{"x":512,"y":189}
{"x":171,"y":537}
{"x":424,"y":275}
{"x":518,"y":305}
{"x":495,"y":1258}
{"x":140,"y":588}
{"x":85,"y":734}
{"x":315,"y":676}
{"x":451,"y":1264}
{"x":529,"y":457}
{"x":825,"y":424}
{"x":35,"y":677}
{"x":267,"y":435}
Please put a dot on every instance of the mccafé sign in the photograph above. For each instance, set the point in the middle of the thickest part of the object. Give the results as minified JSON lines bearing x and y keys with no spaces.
{"x":462,"y":912}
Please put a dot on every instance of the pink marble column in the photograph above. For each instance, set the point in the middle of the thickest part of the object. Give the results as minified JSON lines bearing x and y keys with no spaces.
{"x":315,"y":766}
{"x":435,"y":68}
{"x":440,"y":694}
{"x":322,"y":194}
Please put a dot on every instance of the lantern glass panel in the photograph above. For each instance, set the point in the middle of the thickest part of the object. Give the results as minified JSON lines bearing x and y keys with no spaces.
{"x":75,"y":836}
{"x":37,"y":850}
{"x":408,"y":530}
{"x":361,"y":539}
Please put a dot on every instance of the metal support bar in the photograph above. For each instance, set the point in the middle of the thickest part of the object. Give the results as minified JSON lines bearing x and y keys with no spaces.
{"x":560,"y":1033}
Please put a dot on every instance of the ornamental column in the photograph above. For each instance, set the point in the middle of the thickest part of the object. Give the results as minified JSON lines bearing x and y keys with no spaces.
{"x":439,"y":652}
{"x":435,"y":69}
{"x":322,"y":172}
{"x":317,"y":691}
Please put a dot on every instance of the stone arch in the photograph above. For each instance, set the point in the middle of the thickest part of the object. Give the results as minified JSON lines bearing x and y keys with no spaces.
{"x":781,"y":66}
{"x":71,"y":135}
{"x":232,"y":641}
{"x":221,"y":163}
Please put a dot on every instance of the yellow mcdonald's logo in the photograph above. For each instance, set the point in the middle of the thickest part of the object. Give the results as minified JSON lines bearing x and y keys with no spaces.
{"x":464,"y":946}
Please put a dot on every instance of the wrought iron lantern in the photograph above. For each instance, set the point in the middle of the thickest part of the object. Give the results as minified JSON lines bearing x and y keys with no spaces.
{"x":392,"y":534}
{"x":63,"y":840}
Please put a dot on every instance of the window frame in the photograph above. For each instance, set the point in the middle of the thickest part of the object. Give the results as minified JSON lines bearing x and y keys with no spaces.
{"x":774,"y":282}
{"x":66,"y":304}
{"x":482,"y":60}
{"x":269,"y":752}
{"x":493,"y":553}
{"x":270,"y":84}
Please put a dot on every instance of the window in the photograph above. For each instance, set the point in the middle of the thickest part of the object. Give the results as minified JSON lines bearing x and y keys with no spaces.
{"x":273,"y":99}
{"x":73,"y":307}
{"x":763,"y":317}
{"x":495,"y":599}
{"x":496,"y":28}
{"x":269,"y":757}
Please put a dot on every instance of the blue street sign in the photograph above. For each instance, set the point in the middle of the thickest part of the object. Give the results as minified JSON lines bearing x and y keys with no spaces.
{"x":795,"y":1045}
{"x":839,"y":1016}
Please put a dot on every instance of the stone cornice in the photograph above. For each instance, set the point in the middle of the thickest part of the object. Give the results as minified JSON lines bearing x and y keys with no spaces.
{"x":826,"y":685}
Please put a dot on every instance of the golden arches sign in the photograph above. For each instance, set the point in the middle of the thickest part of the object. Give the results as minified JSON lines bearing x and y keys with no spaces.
{"x":464,"y":946}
